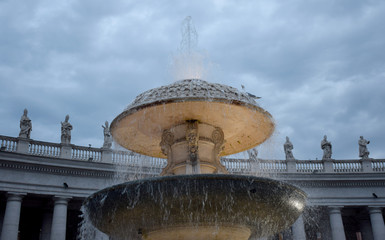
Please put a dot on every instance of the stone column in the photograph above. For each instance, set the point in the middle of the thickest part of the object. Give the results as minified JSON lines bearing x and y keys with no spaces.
{"x":299,"y":229}
{"x":59,"y":221}
{"x":336,"y":223}
{"x":378,"y":227}
{"x":10,"y":228}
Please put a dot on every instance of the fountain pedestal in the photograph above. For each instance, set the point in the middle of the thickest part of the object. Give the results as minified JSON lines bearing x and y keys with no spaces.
{"x":193,"y":148}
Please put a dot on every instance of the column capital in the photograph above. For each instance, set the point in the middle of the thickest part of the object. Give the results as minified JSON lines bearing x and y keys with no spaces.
{"x":61,"y":199}
{"x":375,"y":209}
{"x":335,"y":209}
{"x":15,"y":196}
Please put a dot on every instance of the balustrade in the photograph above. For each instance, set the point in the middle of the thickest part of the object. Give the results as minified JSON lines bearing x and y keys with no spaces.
{"x":86,"y":153}
{"x":44,"y":149}
{"x":8,"y":144}
{"x":272,"y":166}
{"x":347,"y":166}
{"x":378,"y":165}
{"x":309,"y":166}
{"x":236,"y":166}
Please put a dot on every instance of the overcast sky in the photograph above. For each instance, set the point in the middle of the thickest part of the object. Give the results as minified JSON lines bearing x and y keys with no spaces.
{"x":319,"y":66}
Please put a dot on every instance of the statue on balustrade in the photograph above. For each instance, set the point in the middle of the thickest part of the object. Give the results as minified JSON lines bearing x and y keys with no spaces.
{"x":253,"y":154}
{"x":107,"y":136}
{"x":288,"y":147}
{"x":66,"y":128}
{"x":326,"y":146}
{"x":363,"y":149}
{"x":25,"y":125}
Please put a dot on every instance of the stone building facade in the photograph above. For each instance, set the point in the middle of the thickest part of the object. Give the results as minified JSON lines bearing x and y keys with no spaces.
{"x":43,"y":185}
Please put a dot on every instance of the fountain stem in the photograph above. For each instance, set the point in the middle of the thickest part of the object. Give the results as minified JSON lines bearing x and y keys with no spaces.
{"x":193,"y":148}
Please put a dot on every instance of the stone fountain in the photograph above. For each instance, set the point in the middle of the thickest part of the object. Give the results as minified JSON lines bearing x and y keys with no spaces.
{"x":193,"y":123}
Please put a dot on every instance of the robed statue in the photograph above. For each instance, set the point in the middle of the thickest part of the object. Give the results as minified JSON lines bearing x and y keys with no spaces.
{"x":25,"y":125}
{"x":326,"y":146}
{"x":362,"y":148}
{"x":66,"y":128}
{"x":253,"y":154}
{"x":107,"y":136}
{"x":288,"y":147}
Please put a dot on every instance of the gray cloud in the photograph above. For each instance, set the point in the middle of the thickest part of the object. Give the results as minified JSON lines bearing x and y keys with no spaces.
{"x":319,"y":65}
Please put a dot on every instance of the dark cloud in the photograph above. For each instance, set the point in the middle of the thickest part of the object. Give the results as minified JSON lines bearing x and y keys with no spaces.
{"x":318,"y":65}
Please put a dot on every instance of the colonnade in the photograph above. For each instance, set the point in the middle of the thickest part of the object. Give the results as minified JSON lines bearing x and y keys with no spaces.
{"x":376,"y":225}
{"x":54,"y":224}
{"x":53,"y":227}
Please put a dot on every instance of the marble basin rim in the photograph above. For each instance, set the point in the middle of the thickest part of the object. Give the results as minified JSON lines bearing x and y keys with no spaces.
{"x":262,"y":205}
{"x":140,"y":126}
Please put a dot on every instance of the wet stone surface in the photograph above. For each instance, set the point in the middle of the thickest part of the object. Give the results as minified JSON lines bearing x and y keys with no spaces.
{"x":263,"y":205}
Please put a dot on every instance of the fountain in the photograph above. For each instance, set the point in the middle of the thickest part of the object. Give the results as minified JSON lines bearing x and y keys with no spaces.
{"x":193,"y":123}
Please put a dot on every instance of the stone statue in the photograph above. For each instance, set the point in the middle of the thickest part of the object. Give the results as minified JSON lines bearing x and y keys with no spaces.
{"x":66,"y":128}
{"x":253,"y":154}
{"x":288,"y":147}
{"x":326,"y":146}
{"x":107,"y":136}
{"x":363,"y":149}
{"x":25,"y":125}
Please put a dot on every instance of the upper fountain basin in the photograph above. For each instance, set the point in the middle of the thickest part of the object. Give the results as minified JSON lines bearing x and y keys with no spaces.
{"x":140,"y":126}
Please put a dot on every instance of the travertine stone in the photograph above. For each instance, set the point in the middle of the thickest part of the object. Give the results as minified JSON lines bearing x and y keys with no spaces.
{"x":12,"y":216}
{"x":66,"y":128}
{"x":336,"y":223}
{"x":299,"y":229}
{"x":107,"y":136}
{"x":377,"y":221}
{"x":25,"y":125}
{"x":193,"y":148}
{"x":288,"y":147}
{"x":326,"y":146}
{"x":140,"y":127}
{"x":362,"y":148}
{"x":59,"y":219}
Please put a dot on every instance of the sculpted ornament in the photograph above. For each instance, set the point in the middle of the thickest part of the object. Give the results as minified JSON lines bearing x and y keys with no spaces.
{"x":66,"y":128}
{"x":192,"y":138}
{"x":326,"y":146}
{"x":107,"y":136}
{"x":167,"y":141}
{"x":363,"y":152}
{"x":288,"y":147}
{"x":218,"y":139}
{"x":25,"y":125}
{"x":253,"y":154}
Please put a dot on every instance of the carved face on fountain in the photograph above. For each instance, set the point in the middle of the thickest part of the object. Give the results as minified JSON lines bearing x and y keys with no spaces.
{"x":193,"y":123}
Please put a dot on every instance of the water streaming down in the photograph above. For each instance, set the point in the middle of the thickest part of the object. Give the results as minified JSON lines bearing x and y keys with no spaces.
{"x":193,"y":123}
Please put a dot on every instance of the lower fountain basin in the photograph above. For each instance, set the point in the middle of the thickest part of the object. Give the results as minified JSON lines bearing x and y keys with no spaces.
{"x":203,"y":206}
